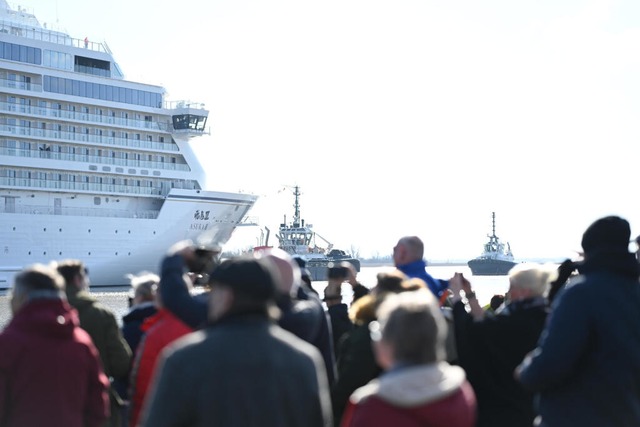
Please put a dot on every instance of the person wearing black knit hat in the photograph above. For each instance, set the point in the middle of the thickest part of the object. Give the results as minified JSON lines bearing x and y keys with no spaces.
{"x":585,"y":368}
{"x":607,"y":234}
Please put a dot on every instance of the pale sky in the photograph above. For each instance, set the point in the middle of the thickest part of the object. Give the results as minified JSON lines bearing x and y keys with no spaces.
{"x":399,"y":117}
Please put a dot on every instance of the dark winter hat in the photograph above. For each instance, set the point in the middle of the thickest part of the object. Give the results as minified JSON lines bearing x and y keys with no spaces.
{"x":246,"y":275}
{"x":608,"y":233}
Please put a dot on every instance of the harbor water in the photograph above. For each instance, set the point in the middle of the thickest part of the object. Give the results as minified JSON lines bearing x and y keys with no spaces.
{"x":484,"y":286}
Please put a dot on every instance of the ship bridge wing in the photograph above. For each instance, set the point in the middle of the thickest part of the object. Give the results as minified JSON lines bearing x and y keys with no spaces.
{"x":189,"y":118}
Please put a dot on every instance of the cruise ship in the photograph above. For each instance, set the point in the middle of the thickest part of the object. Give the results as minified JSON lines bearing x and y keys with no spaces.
{"x":93,"y":166}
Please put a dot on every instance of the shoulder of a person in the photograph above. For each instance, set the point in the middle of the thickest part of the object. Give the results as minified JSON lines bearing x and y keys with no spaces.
{"x":364,"y":394}
{"x":83,"y":338}
{"x":289,"y":339}
{"x":187,"y":346}
{"x":103,"y":311}
{"x":580,"y":287}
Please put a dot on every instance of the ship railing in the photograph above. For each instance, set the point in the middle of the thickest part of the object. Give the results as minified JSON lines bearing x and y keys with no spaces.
{"x":104,"y":189}
{"x":76,"y":115}
{"x":249,"y":221}
{"x":42,"y":153}
{"x":184,"y":104}
{"x":85,"y":137}
{"x":47,"y":35}
{"x":30,"y":209}
{"x":15,"y":84}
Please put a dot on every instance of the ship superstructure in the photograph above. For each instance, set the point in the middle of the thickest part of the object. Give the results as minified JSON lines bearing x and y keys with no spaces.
{"x":93,"y":166}
{"x":299,"y":239}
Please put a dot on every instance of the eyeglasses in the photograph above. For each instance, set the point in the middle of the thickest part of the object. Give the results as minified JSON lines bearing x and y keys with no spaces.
{"x":375,"y":331}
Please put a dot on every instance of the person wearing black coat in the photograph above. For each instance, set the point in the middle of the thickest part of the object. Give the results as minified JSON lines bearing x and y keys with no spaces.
{"x":586,"y":366}
{"x":490,"y":347}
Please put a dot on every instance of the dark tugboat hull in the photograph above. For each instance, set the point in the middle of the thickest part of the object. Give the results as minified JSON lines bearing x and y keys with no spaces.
{"x":318,"y":268}
{"x":490,"y":267}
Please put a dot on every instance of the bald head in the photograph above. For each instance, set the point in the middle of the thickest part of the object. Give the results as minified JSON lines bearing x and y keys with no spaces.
{"x":408,"y":249}
{"x":289,"y":275}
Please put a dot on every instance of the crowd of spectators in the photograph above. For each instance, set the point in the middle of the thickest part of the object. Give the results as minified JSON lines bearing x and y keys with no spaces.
{"x":260,"y":347}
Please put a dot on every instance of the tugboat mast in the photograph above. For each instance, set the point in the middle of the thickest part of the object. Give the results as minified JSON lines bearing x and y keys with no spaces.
{"x":296,"y":207}
{"x":493,"y":219}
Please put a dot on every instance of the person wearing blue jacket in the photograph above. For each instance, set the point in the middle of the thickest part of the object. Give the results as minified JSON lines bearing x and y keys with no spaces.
{"x":181,"y":259}
{"x":408,"y":257}
{"x":586,"y":367}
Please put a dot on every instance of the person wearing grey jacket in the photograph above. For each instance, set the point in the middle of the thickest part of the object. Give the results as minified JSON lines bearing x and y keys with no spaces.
{"x":242,"y":369}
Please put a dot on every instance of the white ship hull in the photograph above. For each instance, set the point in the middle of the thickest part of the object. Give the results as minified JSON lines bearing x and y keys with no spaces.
{"x":113,"y":247}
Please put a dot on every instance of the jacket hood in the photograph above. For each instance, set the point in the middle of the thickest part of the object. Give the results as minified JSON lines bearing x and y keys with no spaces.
{"x":46,"y":318}
{"x":363,"y":310}
{"x":415,"y":385}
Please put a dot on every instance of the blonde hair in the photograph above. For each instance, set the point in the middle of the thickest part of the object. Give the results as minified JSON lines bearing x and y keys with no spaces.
{"x":532,"y":276}
{"x":364,"y":309}
{"x":144,"y":285}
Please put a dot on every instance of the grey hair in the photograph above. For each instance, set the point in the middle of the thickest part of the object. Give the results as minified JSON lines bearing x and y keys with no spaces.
{"x":414,"y":246}
{"x":38,"y":281}
{"x":413,"y":325}
{"x":532,"y":276}
{"x":144,"y":285}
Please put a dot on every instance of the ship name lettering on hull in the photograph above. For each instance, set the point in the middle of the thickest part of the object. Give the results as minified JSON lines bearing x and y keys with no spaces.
{"x":199,"y":226}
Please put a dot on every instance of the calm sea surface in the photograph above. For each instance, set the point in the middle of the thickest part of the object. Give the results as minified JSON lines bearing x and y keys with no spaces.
{"x":484,"y":286}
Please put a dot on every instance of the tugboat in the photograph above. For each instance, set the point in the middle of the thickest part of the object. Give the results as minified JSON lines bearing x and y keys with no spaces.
{"x":496,"y":260}
{"x":300,"y":240}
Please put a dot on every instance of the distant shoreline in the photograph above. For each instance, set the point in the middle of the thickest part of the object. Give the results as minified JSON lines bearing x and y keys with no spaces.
{"x":429,"y":264}
{"x":451,"y":263}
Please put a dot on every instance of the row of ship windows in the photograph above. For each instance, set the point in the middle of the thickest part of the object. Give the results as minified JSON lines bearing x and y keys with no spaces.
{"x":88,"y":253}
{"x":29,"y":208}
{"x":37,"y":178}
{"x":56,"y":59}
{"x":20,"y":53}
{"x":86,"y":138}
{"x":101,"y":91}
{"x":29,"y":124}
{"x":75,"y":111}
{"x":85,"y":151}
{"x":85,"y":89}
{"x":92,"y":179}
{"x":89,"y":154}
{"x":88,"y":231}
{"x":55,"y":108}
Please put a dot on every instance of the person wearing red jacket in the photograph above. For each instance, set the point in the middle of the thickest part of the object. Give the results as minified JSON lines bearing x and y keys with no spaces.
{"x":418,"y":386}
{"x":159,"y":330}
{"x":50,"y":371}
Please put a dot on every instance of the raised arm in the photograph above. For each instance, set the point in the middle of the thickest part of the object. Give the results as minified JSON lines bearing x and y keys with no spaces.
{"x":174,"y":291}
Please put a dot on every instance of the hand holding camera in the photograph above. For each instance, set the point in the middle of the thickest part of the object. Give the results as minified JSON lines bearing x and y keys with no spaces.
{"x":337,"y":272}
{"x":459,"y":283}
{"x":198,"y":260}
